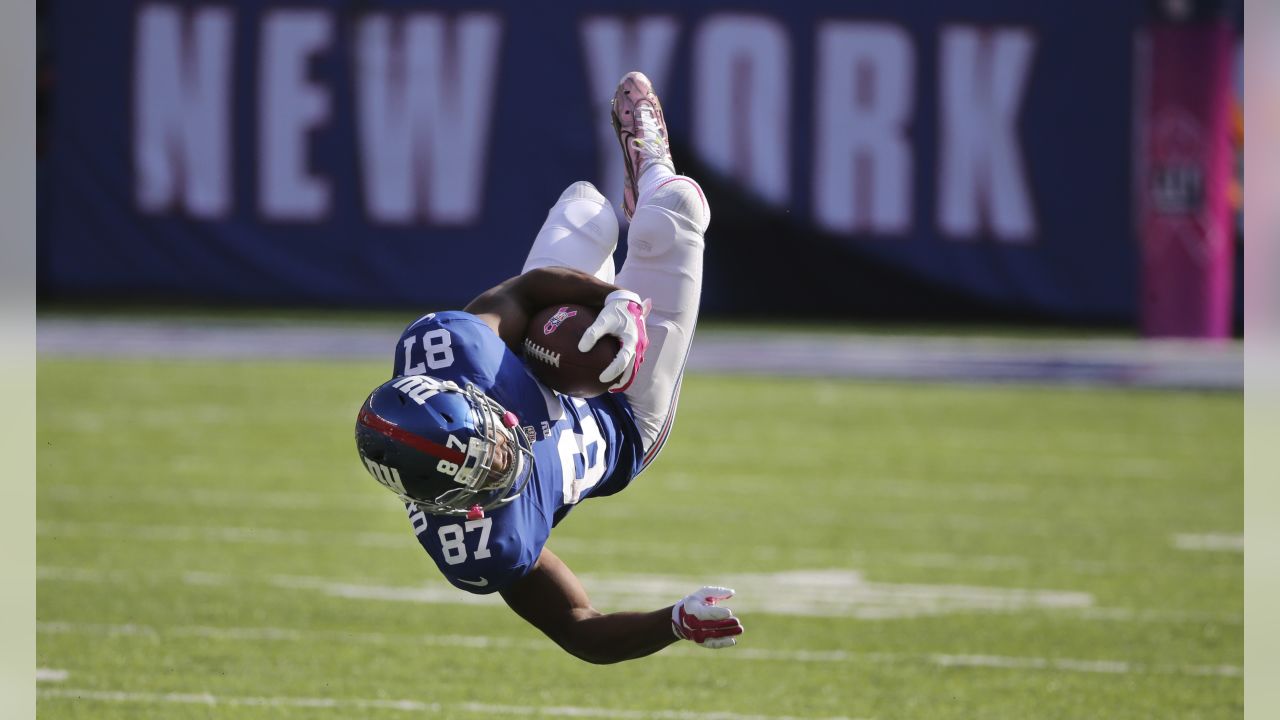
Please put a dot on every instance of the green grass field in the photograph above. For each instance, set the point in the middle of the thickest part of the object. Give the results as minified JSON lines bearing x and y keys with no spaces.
{"x":209,"y":547}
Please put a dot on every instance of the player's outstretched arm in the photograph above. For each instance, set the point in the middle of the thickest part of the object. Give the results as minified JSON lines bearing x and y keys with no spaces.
{"x":553,"y":600}
{"x":508,"y":306}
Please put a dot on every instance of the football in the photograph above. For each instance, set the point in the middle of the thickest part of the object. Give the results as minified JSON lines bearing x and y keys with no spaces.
{"x":551,"y":351}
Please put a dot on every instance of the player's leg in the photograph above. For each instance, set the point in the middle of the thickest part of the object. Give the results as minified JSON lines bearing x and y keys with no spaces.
{"x":669,"y":216}
{"x":581,"y":232}
{"x":664,"y":264}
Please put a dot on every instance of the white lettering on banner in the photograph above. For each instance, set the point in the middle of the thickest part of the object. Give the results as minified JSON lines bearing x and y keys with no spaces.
{"x":425,"y":98}
{"x":424,"y":89}
{"x":613,"y":47}
{"x":290,"y":108}
{"x":861,"y":156}
{"x":181,"y":108}
{"x":742,"y":101}
{"x":982,"y":77}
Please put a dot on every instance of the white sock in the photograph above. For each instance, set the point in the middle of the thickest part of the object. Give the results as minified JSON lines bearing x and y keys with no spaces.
{"x":653,"y":176}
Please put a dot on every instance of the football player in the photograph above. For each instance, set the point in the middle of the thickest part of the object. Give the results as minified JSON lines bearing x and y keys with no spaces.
{"x":488,"y":460}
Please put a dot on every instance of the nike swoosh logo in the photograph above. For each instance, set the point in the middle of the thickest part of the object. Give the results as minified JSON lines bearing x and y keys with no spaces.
{"x":478,"y":583}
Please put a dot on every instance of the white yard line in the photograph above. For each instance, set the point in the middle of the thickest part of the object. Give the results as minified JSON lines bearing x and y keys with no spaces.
{"x":371,"y":499}
{"x":803,"y":593}
{"x":809,"y":593}
{"x":815,"y":593}
{"x":561,"y":711}
{"x":1071,"y":361}
{"x":51,"y":675}
{"x":1209,"y":542}
{"x":746,"y":654}
{"x":276,"y":634}
{"x":220,"y":534}
{"x":404,"y":705}
{"x":247,"y":535}
{"x":274,"y":536}
{"x":187,"y":497}
{"x":1112,"y":667}
{"x":1156,"y":616}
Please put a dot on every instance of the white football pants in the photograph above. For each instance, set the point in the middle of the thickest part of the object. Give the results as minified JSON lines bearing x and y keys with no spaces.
{"x":664,"y":264}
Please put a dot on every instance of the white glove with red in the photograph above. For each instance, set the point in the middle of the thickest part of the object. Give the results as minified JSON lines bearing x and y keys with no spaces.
{"x":700,"y":619}
{"x":623,"y":317}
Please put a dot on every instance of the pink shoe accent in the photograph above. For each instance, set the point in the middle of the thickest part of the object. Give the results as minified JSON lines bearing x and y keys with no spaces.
{"x":642,"y":133}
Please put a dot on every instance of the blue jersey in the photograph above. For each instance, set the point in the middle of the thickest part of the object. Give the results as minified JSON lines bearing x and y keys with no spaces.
{"x":581,"y":448}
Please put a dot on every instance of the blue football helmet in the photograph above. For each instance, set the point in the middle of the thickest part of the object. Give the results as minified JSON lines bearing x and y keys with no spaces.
{"x":435,"y":444}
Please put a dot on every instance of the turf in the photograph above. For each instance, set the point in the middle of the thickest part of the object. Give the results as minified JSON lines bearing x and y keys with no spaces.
{"x":209,"y":547}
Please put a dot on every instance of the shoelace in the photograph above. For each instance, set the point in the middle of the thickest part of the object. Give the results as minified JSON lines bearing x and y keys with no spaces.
{"x":652,"y":144}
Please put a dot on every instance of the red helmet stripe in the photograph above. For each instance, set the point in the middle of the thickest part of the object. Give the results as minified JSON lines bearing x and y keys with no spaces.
{"x":417,"y":442}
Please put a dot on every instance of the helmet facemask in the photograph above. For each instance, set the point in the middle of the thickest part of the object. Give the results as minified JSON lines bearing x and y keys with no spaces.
{"x":478,"y":483}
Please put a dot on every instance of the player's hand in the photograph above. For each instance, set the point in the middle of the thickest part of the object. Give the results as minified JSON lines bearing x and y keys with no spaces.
{"x":623,"y":317}
{"x":699,"y":618}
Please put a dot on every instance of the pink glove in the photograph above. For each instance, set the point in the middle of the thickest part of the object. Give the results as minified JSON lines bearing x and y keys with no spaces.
{"x":700,"y":619}
{"x":623,"y":317}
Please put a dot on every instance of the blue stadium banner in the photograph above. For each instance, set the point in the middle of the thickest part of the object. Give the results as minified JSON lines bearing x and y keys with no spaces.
{"x":388,"y":153}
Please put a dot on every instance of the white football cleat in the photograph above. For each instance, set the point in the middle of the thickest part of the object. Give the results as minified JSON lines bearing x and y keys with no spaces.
{"x":642,"y":132}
